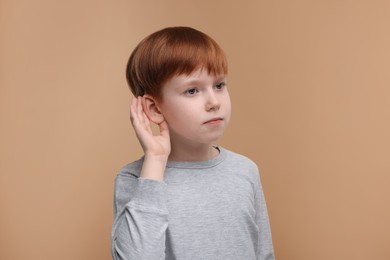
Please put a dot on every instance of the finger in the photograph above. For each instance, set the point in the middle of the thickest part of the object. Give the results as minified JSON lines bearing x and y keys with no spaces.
{"x":133,"y":111}
{"x":132,"y":108}
{"x":145,"y":118}
{"x":143,"y":122}
{"x":136,"y":114}
{"x":140,"y":110}
{"x":143,"y":115}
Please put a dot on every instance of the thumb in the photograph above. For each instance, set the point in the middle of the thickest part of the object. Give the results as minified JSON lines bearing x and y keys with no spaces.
{"x":164,"y":130}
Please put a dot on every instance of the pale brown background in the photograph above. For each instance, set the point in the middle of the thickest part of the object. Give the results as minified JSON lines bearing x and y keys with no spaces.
{"x":310,"y":86}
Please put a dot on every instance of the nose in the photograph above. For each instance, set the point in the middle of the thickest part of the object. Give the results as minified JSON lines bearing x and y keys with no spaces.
{"x":212,"y":102}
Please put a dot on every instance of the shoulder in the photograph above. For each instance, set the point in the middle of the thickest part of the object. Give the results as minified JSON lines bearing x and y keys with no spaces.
{"x":238,"y":163}
{"x":130,"y":170}
{"x":127,"y":175}
{"x":125,"y":183}
{"x":240,"y":160}
{"x":242,"y":168}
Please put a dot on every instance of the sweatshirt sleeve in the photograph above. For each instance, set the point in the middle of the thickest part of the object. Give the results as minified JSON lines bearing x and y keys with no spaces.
{"x":265,"y":249}
{"x":141,"y":219}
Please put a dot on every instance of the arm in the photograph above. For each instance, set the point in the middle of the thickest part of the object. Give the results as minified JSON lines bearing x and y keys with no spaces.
{"x":139,"y":227}
{"x":141,"y":219}
{"x":265,"y":249}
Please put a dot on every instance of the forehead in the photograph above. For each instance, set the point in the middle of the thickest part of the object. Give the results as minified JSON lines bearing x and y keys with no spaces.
{"x":197,"y":76}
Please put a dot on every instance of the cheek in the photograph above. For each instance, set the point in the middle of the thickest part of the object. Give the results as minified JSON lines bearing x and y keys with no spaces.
{"x":228,"y":105}
{"x":179,"y":118}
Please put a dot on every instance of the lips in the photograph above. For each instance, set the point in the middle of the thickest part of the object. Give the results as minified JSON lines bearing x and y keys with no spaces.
{"x":214,"y":120}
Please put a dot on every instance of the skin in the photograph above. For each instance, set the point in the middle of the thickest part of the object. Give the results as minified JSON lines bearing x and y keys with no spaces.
{"x":192,"y":114}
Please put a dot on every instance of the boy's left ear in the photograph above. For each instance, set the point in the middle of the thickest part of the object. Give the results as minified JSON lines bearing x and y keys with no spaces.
{"x":151,"y":109}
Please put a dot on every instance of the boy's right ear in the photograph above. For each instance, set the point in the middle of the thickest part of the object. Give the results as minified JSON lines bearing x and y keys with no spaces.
{"x":151,"y":109}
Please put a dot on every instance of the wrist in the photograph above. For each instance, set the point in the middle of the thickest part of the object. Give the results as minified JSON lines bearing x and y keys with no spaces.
{"x":153,"y":167}
{"x":155,"y":159}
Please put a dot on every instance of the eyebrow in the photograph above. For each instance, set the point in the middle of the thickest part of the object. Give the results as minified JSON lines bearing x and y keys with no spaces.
{"x":192,"y":82}
{"x":196,"y":81}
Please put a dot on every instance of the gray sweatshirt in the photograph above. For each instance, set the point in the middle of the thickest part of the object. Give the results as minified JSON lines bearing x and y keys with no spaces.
{"x":202,"y":210}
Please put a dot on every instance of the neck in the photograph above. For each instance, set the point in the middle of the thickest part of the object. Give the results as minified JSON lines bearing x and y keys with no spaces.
{"x":200,"y":152}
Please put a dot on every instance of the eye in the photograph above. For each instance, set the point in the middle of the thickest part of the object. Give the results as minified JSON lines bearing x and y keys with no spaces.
{"x":220,"y":85}
{"x":191,"y":91}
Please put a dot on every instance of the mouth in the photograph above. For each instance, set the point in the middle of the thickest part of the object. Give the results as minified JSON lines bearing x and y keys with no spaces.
{"x":214,"y":121}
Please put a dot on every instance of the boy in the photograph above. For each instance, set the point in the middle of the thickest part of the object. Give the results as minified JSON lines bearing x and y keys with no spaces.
{"x":185,"y":198}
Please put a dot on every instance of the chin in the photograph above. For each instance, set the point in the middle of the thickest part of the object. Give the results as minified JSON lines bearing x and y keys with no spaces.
{"x":212,"y":139}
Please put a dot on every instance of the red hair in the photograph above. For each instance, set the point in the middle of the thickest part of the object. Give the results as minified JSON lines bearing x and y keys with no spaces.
{"x":170,"y":52}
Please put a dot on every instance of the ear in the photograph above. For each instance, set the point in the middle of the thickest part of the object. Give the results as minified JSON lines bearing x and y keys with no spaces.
{"x":151,"y":109}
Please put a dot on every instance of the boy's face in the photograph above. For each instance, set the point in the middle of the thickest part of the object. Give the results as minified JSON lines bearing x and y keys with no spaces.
{"x":196,"y":107}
